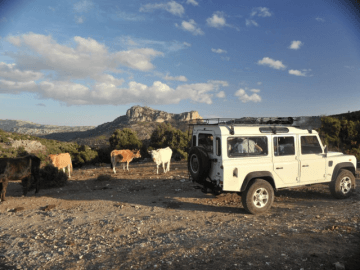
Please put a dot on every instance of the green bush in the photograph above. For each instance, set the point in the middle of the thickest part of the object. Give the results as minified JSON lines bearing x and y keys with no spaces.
{"x":124,"y":139}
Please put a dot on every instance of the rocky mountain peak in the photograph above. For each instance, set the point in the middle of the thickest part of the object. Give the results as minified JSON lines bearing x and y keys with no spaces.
{"x":147,"y":114}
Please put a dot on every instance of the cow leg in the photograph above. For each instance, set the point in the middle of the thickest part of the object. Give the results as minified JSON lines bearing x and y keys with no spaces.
{"x":127,"y":166}
{"x":27,"y":185}
{"x":168,"y":166}
{"x":3,"y":186}
{"x":113,"y":163}
{"x":68,"y":167}
{"x":157,"y":168}
{"x":64,"y":169}
{"x":163,"y":165}
{"x":37,"y":183}
{"x":123,"y":166}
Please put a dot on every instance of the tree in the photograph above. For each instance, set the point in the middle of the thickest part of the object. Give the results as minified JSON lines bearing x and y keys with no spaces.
{"x":124,"y":139}
{"x":330,"y":131}
{"x":166,"y":135}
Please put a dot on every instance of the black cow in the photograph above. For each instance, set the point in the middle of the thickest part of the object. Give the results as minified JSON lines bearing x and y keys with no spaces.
{"x":24,"y":168}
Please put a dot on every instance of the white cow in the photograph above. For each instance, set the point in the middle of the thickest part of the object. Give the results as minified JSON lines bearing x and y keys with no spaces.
{"x":161,"y":156}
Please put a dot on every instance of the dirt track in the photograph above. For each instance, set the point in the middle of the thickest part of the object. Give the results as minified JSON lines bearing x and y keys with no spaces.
{"x":140,"y":220}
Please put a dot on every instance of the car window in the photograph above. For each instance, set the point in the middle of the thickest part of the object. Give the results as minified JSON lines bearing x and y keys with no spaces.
{"x":284,"y":146}
{"x":310,"y":145}
{"x":206,"y":141}
{"x":247,"y":146}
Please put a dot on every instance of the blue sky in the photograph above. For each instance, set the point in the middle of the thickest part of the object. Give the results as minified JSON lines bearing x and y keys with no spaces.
{"x":86,"y":62}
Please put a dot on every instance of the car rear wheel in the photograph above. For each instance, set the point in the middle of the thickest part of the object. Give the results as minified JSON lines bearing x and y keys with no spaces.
{"x":258,"y":197}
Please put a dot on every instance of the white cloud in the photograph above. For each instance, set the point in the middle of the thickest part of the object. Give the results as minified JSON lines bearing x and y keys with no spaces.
{"x":139,"y":59}
{"x":217,"y":20}
{"x":108,"y":93}
{"x":320,"y":19}
{"x":244,"y":97}
{"x":261,"y":12}
{"x":87,"y":58}
{"x":259,"y":83}
{"x":191,"y":27}
{"x":251,"y":22}
{"x":80,"y":19}
{"x":218,"y":51}
{"x":177,"y":78}
{"x":87,"y":73}
{"x":192,"y":2}
{"x":296,"y":44}
{"x":221,"y":94}
{"x":83,"y":6}
{"x":172,"y":7}
{"x":266,"y":61}
{"x":302,"y":73}
{"x":11,"y":73}
{"x":217,"y":83}
{"x":169,"y":46}
{"x":255,"y":90}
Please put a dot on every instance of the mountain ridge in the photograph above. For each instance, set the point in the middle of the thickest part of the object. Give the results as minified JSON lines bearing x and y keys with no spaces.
{"x":142,"y":119}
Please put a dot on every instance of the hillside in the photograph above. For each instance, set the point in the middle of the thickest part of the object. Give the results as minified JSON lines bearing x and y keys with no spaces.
{"x":30,"y":128}
{"x":141,"y":119}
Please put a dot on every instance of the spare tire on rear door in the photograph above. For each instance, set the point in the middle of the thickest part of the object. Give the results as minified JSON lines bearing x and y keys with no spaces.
{"x":198,"y":164}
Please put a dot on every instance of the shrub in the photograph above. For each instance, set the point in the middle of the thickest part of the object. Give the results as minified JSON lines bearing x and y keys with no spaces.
{"x":124,"y":139}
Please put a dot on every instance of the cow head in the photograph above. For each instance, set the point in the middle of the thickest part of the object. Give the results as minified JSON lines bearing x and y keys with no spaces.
{"x":153,"y":154}
{"x":137,"y":153}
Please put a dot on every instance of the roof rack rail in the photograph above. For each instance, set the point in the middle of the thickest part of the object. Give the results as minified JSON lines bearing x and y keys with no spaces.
{"x":304,"y":122}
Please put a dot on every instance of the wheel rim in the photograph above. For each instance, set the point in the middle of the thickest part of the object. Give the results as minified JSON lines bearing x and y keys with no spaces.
{"x":345,"y":185}
{"x":260,"y":197}
{"x":194,"y":163}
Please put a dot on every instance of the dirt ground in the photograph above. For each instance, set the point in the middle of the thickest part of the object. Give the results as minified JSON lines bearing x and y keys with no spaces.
{"x":140,"y":220}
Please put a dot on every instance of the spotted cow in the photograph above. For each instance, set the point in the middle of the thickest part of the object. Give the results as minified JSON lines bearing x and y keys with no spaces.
{"x":123,"y":156}
{"x":25,"y":168}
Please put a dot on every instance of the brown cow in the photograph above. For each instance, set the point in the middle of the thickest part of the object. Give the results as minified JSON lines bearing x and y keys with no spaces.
{"x":19,"y":168}
{"x":61,"y":161}
{"x":123,"y":156}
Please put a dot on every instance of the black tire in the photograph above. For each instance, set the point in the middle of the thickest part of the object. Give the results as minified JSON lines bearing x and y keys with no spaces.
{"x":343,"y":185}
{"x":258,"y":197}
{"x":198,"y":164}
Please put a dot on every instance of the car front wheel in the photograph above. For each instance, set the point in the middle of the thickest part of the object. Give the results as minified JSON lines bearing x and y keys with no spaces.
{"x":343,"y":184}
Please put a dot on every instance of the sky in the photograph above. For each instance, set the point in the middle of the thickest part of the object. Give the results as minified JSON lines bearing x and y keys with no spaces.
{"x":84,"y":63}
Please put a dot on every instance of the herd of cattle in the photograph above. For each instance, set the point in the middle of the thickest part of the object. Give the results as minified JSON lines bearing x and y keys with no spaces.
{"x":28,"y":168}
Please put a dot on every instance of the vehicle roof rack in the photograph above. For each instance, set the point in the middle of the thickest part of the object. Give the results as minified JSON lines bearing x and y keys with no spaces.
{"x":303,"y":122}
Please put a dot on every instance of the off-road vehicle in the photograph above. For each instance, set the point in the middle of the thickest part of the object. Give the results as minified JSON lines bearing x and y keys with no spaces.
{"x":255,"y":156}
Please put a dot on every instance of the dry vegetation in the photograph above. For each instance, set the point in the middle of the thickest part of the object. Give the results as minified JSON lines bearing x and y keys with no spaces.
{"x":140,"y":220}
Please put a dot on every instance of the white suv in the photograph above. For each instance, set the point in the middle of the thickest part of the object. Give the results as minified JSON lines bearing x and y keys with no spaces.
{"x":255,"y":156}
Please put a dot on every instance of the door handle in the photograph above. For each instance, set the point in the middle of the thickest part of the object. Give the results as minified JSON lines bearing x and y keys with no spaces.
{"x":279,"y":168}
{"x":305,"y":165}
